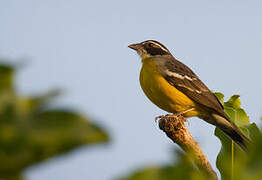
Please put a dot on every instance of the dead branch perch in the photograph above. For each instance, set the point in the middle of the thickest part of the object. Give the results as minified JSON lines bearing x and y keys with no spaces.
{"x":176,"y":130}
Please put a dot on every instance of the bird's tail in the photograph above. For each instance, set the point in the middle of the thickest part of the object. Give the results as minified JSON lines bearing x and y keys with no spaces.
{"x":231,"y":130}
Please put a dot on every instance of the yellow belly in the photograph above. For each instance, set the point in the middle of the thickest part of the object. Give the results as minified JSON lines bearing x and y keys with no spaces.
{"x":161,"y":93}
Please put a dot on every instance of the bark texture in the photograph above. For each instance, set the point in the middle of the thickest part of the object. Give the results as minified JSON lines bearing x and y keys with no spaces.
{"x":176,"y":130}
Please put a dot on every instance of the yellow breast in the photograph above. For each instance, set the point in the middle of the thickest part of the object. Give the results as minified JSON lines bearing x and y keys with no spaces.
{"x":161,"y":93}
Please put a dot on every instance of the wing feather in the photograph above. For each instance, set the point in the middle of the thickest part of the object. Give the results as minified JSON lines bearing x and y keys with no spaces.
{"x":186,"y":81}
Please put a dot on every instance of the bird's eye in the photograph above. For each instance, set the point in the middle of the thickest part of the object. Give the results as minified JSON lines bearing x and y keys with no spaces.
{"x":150,"y":45}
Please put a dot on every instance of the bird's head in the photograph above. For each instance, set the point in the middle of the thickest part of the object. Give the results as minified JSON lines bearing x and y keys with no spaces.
{"x":150,"y":48}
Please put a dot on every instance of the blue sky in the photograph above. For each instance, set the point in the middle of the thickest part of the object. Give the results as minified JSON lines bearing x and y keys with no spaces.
{"x":81,"y":46}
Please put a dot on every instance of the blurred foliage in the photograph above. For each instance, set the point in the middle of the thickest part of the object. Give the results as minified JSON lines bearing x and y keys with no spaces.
{"x":246,"y":165}
{"x":182,"y":168}
{"x":30,"y":131}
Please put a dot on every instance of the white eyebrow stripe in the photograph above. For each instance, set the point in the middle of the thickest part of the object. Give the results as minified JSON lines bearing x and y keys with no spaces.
{"x":164,"y":49}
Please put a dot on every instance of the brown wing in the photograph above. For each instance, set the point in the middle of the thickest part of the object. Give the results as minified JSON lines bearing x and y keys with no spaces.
{"x":186,"y":81}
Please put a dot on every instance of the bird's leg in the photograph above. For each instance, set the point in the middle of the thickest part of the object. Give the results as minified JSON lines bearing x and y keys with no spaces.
{"x":175,"y":116}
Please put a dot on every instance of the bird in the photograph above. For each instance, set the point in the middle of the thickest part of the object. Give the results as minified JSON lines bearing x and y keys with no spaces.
{"x":175,"y":88}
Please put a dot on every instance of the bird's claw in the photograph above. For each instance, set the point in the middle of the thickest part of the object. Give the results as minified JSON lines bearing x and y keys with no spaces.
{"x":171,"y":117}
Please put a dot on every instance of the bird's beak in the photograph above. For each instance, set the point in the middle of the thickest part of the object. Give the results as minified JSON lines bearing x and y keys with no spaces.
{"x":134,"y":46}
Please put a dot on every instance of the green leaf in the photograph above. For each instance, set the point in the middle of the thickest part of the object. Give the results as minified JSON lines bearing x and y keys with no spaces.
{"x":234,"y":101}
{"x":234,"y":111}
{"x":224,"y":159}
{"x":220,"y":97}
{"x":238,"y":116}
{"x":253,"y":164}
{"x":253,"y":132}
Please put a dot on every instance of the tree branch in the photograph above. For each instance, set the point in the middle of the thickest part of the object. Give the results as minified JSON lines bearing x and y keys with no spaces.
{"x":176,"y":130}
